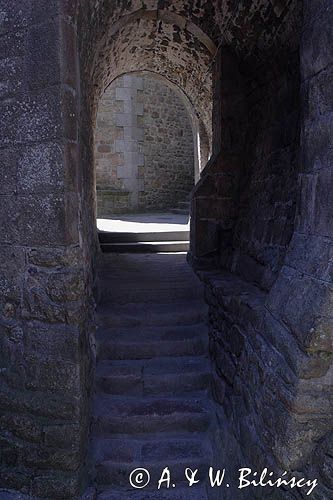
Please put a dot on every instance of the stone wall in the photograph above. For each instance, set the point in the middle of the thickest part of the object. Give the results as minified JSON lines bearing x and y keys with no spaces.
{"x":144,"y":150}
{"x":46,"y":279}
{"x":260,"y":227}
{"x":271,"y":339}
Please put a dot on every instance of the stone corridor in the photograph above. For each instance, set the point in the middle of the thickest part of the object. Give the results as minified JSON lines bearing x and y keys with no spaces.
{"x":258,"y":76}
{"x":152,"y":405}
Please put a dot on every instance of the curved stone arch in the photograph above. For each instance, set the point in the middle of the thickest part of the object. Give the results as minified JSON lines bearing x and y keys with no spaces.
{"x":201,"y":136}
{"x":146,"y":41}
{"x":167,"y":17}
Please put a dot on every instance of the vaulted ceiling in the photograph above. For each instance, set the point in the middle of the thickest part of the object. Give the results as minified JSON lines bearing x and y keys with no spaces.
{"x":178,"y":39}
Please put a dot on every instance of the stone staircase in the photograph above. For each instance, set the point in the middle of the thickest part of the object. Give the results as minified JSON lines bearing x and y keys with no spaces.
{"x":144,"y":242}
{"x":152,"y":407}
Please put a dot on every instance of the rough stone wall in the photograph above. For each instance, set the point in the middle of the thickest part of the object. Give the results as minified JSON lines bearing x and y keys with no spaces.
{"x":168,"y":148}
{"x":144,"y":151}
{"x":268,"y":179}
{"x":254,"y":176}
{"x":45,"y":299}
{"x":271,"y":333}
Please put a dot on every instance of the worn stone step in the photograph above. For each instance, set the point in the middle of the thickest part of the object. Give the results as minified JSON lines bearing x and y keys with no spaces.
{"x":136,"y":314}
{"x":117,"y":474}
{"x":197,"y":492}
{"x":164,"y":376}
{"x":134,"y":343}
{"x":148,"y":291}
{"x":143,"y":278}
{"x":121,"y":415}
{"x":153,"y":447}
{"x":116,"y":458}
{"x":146,"y":247}
{"x":134,"y":237}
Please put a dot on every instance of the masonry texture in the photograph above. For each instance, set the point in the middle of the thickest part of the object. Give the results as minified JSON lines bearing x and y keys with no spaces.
{"x":144,"y":148}
{"x":261,"y":225}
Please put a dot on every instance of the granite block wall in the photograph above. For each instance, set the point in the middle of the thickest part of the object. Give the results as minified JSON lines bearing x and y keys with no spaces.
{"x":144,"y":147}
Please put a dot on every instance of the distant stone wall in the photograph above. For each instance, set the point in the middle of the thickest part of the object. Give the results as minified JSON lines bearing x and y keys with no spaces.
{"x":144,"y":150}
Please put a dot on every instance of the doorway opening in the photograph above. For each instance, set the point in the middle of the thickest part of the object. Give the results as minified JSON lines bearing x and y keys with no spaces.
{"x":150,"y":147}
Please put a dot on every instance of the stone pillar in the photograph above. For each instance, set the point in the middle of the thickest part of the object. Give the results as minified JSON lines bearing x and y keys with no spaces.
{"x":118,"y":146}
{"x":130,"y":145}
{"x":215,"y":197}
{"x":44,"y":302}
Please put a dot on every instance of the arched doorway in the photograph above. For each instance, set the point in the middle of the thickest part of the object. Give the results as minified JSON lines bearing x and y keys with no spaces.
{"x":149,"y":163}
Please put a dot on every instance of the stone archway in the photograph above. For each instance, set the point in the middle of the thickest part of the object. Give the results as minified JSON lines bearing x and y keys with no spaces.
{"x":152,"y":161}
{"x":270,"y":302}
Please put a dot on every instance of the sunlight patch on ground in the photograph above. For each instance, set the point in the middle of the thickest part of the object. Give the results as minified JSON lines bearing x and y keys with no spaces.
{"x":138,"y":223}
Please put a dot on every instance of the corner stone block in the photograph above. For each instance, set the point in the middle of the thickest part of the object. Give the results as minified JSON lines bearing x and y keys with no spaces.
{"x":125,"y":94}
{"x":48,"y":219}
{"x":126,"y":120}
{"x":33,"y":117}
{"x":132,"y":81}
{"x":61,"y":436}
{"x":40,"y":168}
{"x":127,"y":146}
{"x":13,"y":44}
{"x":14,"y":18}
{"x":12,"y":79}
{"x":57,"y":488}
{"x":43,"y":55}
{"x":60,"y":344}
{"x":10,"y":219}
{"x":12,"y":264}
{"x":53,"y":376}
{"x":8,"y":167}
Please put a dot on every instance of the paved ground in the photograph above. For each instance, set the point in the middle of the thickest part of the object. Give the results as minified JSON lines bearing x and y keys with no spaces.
{"x":136,"y":223}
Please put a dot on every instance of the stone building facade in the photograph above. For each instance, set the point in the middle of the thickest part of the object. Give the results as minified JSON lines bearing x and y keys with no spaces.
{"x":144,"y":146}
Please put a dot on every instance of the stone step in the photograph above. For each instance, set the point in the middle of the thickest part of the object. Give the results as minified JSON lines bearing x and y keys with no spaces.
{"x":155,"y":447}
{"x":146,"y":247}
{"x":116,"y":458}
{"x":121,"y":415}
{"x":143,"y":278}
{"x":139,"y":314}
{"x":147,"y":292}
{"x":133,"y":343}
{"x":150,"y":290}
{"x":197,"y":492}
{"x":153,"y":236}
{"x":159,"y":376}
{"x":117,"y":473}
